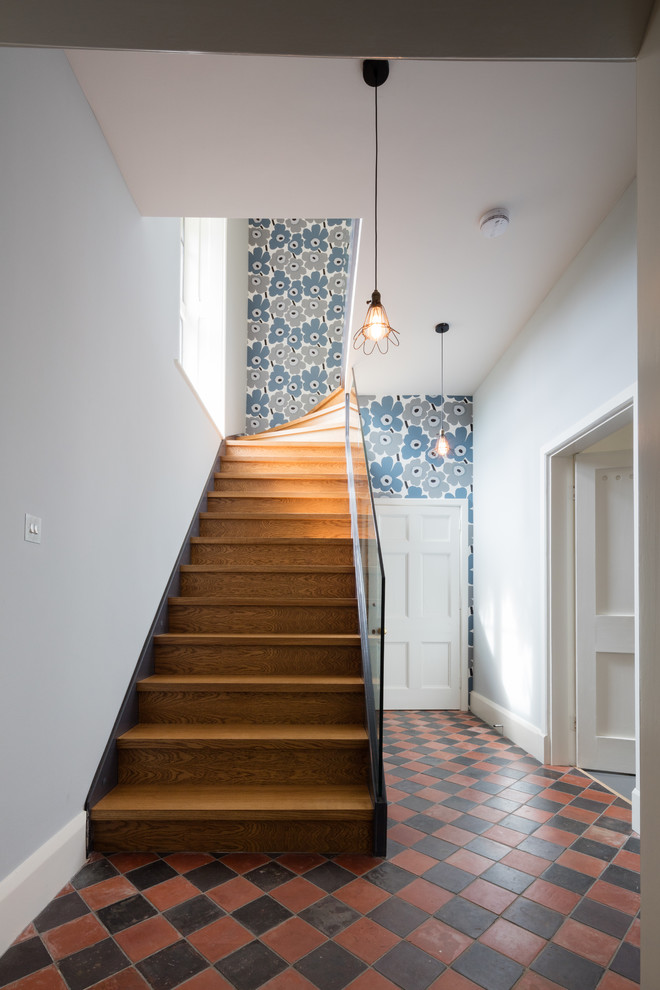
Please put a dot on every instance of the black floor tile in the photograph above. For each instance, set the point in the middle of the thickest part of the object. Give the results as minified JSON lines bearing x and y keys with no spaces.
{"x":589,"y":805}
{"x":488,"y":968}
{"x":621,"y":877}
{"x":62,"y":909}
{"x":599,"y":850}
{"x":424,"y":823}
{"x":329,"y":915}
{"x":251,"y":966}
{"x":390,"y":877}
{"x":613,"y":824}
{"x":409,"y":786}
{"x":472,"y":824}
{"x":329,"y":876}
{"x":508,"y":877}
{"x":466,"y":917}
{"x":123,"y":914}
{"x":151,"y":874}
{"x":602,"y":917}
{"x":448,"y":877}
{"x":269,"y":876}
{"x":565,"y":788}
{"x":210,"y":875}
{"x":415,"y":803}
{"x":95,"y":872}
{"x":398,"y":916}
{"x":488,"y":848}
{"x":567,"y":824}
{"x":626,"y":962}
{"x":329,"y":967}
{"x":172,"y":966}
{"x":194,"y":914}
{"x":534,"y":917}
{"x":503,"y":804}
{"x":527,"y":787}
{"x":489,"y":787}
{"x":519,"y":824}
{"x":579,"y":883}
{"x":261,"y":915}
{"x":633,"y":844}
{"x":23,"y":959}
{"x":431,"y":845}
{"x":543,"y":804}
{"x":459,"y":803}
{"x":409,"y":967}
{"x":540,"y":847}
{"x":567,"y":969}
{"x":89,"y":966}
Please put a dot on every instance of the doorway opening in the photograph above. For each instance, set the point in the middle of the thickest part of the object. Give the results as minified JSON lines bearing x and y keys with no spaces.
{"x":574,"y":624}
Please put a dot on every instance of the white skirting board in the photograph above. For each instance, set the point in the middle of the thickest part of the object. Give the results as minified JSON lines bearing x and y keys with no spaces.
{"x":27,"y":891}
{"x":517,"y":729}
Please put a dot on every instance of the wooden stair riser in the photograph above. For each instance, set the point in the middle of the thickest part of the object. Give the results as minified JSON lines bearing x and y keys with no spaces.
{"x":299,"y":451}
{"x":262,"y":618}
{"x":201,"y":763}
{"x":269,"y":465}
{"x":303,"y":552}
{"x":262,"y":584}
{"x":263,"y":484}
{"x":254,"y":707}
{"x":217,"y":525}
{"x":267,"y":659}
{"x":238,"y":835}
{"x":275,"y":502}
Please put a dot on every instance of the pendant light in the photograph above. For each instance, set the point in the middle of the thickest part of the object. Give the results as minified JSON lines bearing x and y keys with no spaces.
{"x":376,"y":330}
{"x":441,"y":448}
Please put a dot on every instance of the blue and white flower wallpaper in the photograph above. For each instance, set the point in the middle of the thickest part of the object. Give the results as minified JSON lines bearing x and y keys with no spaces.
{"x":296,"y":295}
{"x":399,"y":437}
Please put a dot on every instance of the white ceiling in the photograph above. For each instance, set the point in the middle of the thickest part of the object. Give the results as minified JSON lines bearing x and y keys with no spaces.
{"x":233,"y":135}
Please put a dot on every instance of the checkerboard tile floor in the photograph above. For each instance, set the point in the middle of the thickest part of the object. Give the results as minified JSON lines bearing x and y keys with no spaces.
{"x":501,"y":873}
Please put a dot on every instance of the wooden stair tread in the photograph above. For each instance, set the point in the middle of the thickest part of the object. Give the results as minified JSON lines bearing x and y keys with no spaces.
{"x":293,"y":516}
{"x":278,"y":476}
{"x":268,"y":568}
{"x":249,"y":639}
{"x":276,"y":540}
{"x":242,"y":733}
{"x":189,"y":801}
{"x":238,"y":682}
{"x":264,"y":602}
{"x":276,"y":495}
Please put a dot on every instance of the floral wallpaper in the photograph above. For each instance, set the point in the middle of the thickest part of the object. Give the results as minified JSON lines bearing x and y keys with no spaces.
{"x":296,"y":296}
{"x":399,"y":437}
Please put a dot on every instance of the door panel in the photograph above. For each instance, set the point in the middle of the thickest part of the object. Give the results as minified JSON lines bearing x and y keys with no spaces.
{"x":425,"y":556}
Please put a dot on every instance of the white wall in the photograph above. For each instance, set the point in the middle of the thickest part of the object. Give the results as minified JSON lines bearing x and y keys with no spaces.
{"x":99,"y":435}
{"x":648,"y":165}
{"x":576,"y":352}
{"x":236,"y":326}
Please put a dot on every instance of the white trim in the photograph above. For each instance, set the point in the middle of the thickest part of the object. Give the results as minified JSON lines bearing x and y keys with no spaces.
{"x":636,"y":801}
{"x":27,"y":891}
{"x":515,"y":728}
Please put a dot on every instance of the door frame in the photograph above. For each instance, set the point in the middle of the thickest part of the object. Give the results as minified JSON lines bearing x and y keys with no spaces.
{"x":463,"y":506}
{"x":557,"y":468}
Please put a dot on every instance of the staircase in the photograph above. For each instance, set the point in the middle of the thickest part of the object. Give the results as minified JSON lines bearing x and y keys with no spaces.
{"x":252,"y":728}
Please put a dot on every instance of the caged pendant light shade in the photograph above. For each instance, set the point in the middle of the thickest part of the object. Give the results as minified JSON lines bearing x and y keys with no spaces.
{"x":376,"y":331}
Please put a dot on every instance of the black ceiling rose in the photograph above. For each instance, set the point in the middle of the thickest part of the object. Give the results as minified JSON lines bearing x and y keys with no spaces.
{"x":375,"y":71}
{"x":441,"y":327}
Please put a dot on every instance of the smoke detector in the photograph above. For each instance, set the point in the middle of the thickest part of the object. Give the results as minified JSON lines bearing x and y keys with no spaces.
{"x":495,"y":222}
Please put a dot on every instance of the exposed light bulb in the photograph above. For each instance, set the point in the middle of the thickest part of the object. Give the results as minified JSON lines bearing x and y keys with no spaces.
{"x":376,"y":330}
{"x":442,"y":445}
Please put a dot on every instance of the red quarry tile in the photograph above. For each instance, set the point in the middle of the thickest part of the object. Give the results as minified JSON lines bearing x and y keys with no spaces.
{"x":74,"y":935}
{"x":612,"y":981}
{"x":130,"y":861}
{"x":489,"y":896}
{"x":361,"y":895}
{"x":440,"y":940}
{"x":431,"y":794}
{"x":45,"y":979}
{"x":107,"y":892}
{"x":367,"y":940}
{"x":146,"y":938}
{"x":556,"y":835}
{"x":290,"y":979}
{"x":533,"y":814}
{"x":459,"y":836}
{"x":171,"y":892}
{"x":420,"y":767}
{"x":586,"y":941}
{"x":210,"y":979}
{"x":552,"y":896}
{"x":182,"y":862}
{"x":606,"y":835}
{"x":413,"y":861}
{"x":493,"y":815}
{"x":453,"y":981}
{"x":127,"y":979}
{"x":499,"y":833}
{"x":469,"y":861}
{"x":242,"y":862}
{"x":459,"y":778}
{"x":443,"y":814}
{"x":301,"y":862}
{"x":622,"y":814}
{"x":394,"y":795}
{"x":296,"y":894}
{"x":576,"y":779}
{"x":527,"y":863}
{"x":629,"y":861}
{"x":532,"y":981}
{"x":590,"y":865}
{"x":293,"y":939}
{"x":28,"y":932}
{"x":580,"y":814}
{"x":369,"y":980}
{"x":616,"y":897}
{"x":404,"y":834}
{"x":634,"y":933}
{"x":512,"y":941}
{"x":233,"y":894}
{"x":68,"y":888}
{"x":425,"y":895}
{"x":423,"y":778}
{"x":604,"y":797}
{"x":471,"y":795}
{"x":220,"y":938}
{"x":360,"y":864}
{"x":398,"y":813}
{"x":559,"y":797}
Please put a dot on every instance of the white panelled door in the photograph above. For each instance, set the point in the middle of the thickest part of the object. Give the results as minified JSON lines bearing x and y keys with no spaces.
{"x":605,"y":611}
{"x":424,"y":546}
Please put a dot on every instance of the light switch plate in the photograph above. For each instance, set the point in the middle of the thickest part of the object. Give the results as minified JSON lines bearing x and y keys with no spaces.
{"x":32,"y":528}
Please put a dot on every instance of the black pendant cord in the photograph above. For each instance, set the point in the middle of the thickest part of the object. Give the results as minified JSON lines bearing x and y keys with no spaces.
{"x":376,"y":191}
{"x":442,"y":384}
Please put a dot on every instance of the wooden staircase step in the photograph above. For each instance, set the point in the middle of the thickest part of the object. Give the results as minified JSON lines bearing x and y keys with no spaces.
{"x":210,"y":653}
{"x":276,"y":502}
{"x":264,"y":580}
{"x":284,"y":818}
{"x":278,"y":615}
{"x":238,"y":481}
{"x":245,"y":447}
{"x":275,"y":524}
{"x":266,"y":465}
{"x":243,"y":753}
{"x":272,"y":550}
{"x":249,"y":682}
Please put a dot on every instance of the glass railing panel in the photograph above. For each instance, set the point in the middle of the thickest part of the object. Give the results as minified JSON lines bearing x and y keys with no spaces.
{"x":370,"y":581}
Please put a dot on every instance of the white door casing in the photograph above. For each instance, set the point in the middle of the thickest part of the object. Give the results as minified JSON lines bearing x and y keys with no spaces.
{"x":425,"y":553}
{"x":605,"y":611}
